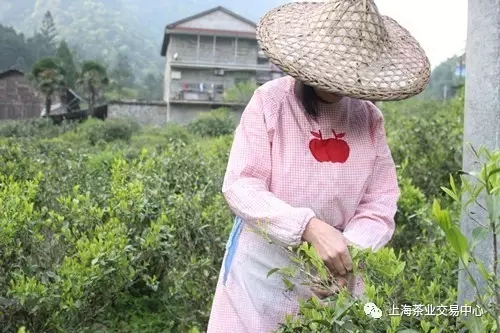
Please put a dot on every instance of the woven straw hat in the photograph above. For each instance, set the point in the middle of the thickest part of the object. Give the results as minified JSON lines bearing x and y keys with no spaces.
{"x":345,"y":47}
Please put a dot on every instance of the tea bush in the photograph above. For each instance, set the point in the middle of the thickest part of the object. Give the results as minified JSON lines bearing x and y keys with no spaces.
{"x":36,"y":127}
{"x":429,"y":135}
{"x":417,"y":294}
{"x":107,"y":226}
{"x":96,"y":131}
{"x":213,"y":123}
{"x":425,"y":137}
{"x":424,"y":277}
{"x":87,"y":231}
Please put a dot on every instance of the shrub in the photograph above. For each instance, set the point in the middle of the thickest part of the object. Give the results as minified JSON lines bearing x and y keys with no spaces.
{"x":427,"y":277}
{"x":36,"y":127}
{"x":91,"y":231}
{"x":241,"y":92}
{"x":413,"y":217}
{"x":96,"y":130}
{"x":393,"y":285}
{"x":214,"y":123}
{"x":429,"y":135}
{"x":107,"y":226}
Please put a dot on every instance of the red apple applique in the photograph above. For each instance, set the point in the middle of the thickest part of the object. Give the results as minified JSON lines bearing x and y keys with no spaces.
{"x":333,"y":150}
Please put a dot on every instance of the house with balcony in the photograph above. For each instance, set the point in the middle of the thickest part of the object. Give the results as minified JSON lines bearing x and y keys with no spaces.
{"x":207,"y":54}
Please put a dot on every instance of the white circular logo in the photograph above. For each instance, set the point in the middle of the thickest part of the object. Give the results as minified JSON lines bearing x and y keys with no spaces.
{"x":372,"y":310}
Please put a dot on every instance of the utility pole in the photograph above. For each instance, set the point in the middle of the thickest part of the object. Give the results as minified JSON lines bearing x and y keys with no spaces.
{"x":482,"y":116}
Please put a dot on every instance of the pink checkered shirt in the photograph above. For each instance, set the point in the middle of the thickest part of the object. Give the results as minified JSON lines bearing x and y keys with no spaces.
{"x":278,"y":179}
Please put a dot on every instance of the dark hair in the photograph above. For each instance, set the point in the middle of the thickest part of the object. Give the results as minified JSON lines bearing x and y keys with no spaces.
{"x":308,"y":98}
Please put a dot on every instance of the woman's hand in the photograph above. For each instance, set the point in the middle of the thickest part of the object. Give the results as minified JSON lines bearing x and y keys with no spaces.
{"x":331,"y":246}
{"x":322,"y":292}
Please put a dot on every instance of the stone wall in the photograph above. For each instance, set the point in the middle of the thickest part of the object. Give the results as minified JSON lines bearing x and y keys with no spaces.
{"x":155,"y":113}
{"x":184,"y":113}
{"x":146,"y":113}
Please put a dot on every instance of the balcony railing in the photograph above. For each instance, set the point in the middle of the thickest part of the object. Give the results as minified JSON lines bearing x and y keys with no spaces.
{"x":227,"y":64}
{"x":197,"y":91}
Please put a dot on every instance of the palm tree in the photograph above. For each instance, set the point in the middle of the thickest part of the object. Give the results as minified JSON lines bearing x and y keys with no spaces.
{"x":92,"y":79}
{"x":48,"y":76}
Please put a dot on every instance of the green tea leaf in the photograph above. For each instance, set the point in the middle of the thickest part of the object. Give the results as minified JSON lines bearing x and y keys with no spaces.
{"x":482,"y":269}
{"x":478,"y":235}
{"x":272,"y":271}
{"x":452,"y":194}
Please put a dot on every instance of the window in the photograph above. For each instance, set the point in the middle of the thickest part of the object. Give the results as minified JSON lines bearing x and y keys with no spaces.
{"x":176,"y":75}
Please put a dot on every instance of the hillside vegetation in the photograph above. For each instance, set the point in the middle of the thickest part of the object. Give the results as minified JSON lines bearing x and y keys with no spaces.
{"x":101,"y":30}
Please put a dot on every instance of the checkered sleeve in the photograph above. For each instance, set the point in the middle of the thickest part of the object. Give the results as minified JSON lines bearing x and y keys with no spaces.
{"x":373,"y":223}
{"x":248,"y":175}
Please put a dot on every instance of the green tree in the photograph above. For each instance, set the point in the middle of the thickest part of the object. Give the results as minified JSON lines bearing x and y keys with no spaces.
{"x":43,"y":41}
{"x":241,"y":92}
{"x":48,"y":30}
{"x":152,"y":87}
{"x":122,"y":74}
{"x":15,"y":51}
{"x":48,"y":75}
{"x":444,"y":82}
{"x":66,"y":57}
{"x":93,"y":79}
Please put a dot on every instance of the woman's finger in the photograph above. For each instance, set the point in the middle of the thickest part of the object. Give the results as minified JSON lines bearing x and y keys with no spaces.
{"x":346,"y":261}
{"x":338,"y":266}
{"x":340,"y":282}
{"x":321,"y":292}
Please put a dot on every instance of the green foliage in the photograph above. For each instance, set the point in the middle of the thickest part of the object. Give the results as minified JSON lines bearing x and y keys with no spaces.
{"x":48,"y":75}
{"x":107,"y":226}
{"x":483,"y":191}
{"x":101,"y":29}
{"x":413,"y":223}
{"x":122,"y":77}
{"x":48,"y":30}
{"x":97,"y":132}
{"x":151,"y":88}
{"x":109,"y":238}
{"x":33,"y":128}
{"x":159,"y":137}
{"x":241,"y":92}
{"x":427,"y":276}
{"x":98,"y":30}
{"x":214,"y":123}
{"x":92,"y":79}
{"x":444,"y":81}
{"x":122,"y":71}
{"x":64,"y":54}
{"x":428,"y":134}
{"x":426,"y":143}
{"x":19,"y":54}
{"x":392,"y":284}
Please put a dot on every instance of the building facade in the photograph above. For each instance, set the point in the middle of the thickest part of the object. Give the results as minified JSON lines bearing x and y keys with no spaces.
{"x":18,"y":99}
{"x":207,"y":54}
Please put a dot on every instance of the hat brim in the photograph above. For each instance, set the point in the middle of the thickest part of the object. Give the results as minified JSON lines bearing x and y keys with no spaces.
{"x":400,"y":70}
